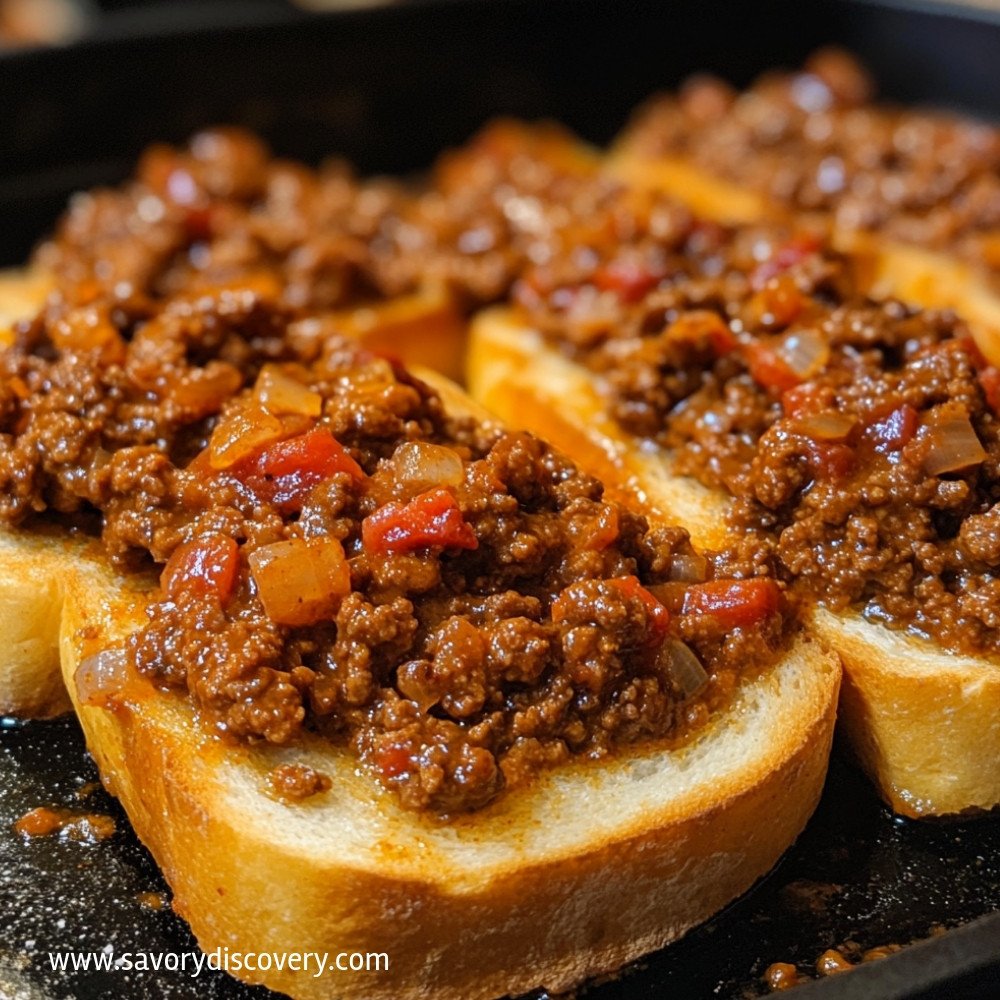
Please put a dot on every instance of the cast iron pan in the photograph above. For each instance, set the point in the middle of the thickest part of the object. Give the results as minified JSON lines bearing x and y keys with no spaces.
{"x":389,"y":88}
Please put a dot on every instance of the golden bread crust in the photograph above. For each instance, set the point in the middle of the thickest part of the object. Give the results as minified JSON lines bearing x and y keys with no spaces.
{"x":583,"y":871}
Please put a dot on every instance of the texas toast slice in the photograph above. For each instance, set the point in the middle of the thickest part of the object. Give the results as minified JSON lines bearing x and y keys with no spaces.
{"x":923,"y":722}
{"x":589,"y":865}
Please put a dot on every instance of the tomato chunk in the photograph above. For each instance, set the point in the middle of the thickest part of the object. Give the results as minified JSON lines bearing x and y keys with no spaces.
{"x":831,"y":459}
{"x":202,"y":566}
{"x":432,"y":518}
{"x":630,"y":280}
{"x":285,"y":472}
{"x":804,"y":399}
{"x":897,"y":430}
{"x":392,"y":760}
{"x":703,"y":325}
{"x":657,"y":615}
{"x":769,"y":369}
{"x":733,"y":603}
{"x":989,"y":379}
{"x":787,"y":256}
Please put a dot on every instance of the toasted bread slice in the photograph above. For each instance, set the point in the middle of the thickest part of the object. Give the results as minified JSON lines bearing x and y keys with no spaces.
{"x":425,"y":328}
{"x":34,"y":567}
{"x":584,"y":869}
{"x":924,"y":723}
{"x":926,"y":278}
{"x":22,"y":293}
{"x":589,"y":868}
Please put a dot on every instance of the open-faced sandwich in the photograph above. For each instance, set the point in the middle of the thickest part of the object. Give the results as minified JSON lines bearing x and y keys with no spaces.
{"x":739,"y":382}
{"x":220,"y":226}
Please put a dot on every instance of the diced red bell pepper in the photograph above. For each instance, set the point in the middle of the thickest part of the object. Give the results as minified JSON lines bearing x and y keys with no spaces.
{"x":989,"y":379}
{"x":787,"y":256}
{"x":831,"y":460}
{"x":285,"y":472}
{"x":768,"y":369}
{"x":895,"y":431}
{"x":703,"y":324}
{"x":803,"y":399}
{"x":656,"y":614}
{"x":630,"y":280}
{"x":432,"y":518}
{"x":733,"y":603}
{"x":202,"y":566}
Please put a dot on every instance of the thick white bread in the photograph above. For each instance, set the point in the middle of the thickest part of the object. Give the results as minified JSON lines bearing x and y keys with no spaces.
{"x":30,"y":579}
{"x":34,"y":568}
{"x":586,"y":869}
{"x":22,"y":292}
{"x":925,"y":724}
{"x":931,"y":279}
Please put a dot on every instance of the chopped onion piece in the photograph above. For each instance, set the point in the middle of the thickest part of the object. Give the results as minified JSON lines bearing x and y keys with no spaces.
{"x":952,"y":445}
{"x":688,"y":567}
{"x":827,"y":426}
{"x":101,"y":676}
{"x":240,"y":433}
{"x":301,"y":582}
{"x":278,"y":392}
{"x":422,"y":466}
{"x":806,"y":352}
{"x":202,"y":391}
{"x":684,"y":668}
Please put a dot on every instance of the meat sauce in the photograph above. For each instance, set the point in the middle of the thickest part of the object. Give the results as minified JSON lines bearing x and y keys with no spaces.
{"x":69,"y":824}
{"x":859,"y":438}
{"x":457,"y":604}
{"x":222,"y":209}
{"x":814,"y":142}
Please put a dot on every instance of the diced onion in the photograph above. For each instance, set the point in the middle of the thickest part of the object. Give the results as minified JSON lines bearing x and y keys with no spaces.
{"x":101,"y":676}
{"x":806,"y":352}
{"x":952,"y":445}
{"x":688,"y":567}
{"x":684,"y":668}
{"x":278,"y":392}
{"x":240,"y":433}
{"x":827,"y":426}
{"x":203,"y":390}
{"x":422,"y":466}
{"x":301,"y":582}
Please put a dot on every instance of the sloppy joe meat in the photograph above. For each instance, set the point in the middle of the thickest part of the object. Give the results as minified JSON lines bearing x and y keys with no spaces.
{"x":455,"y":603}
